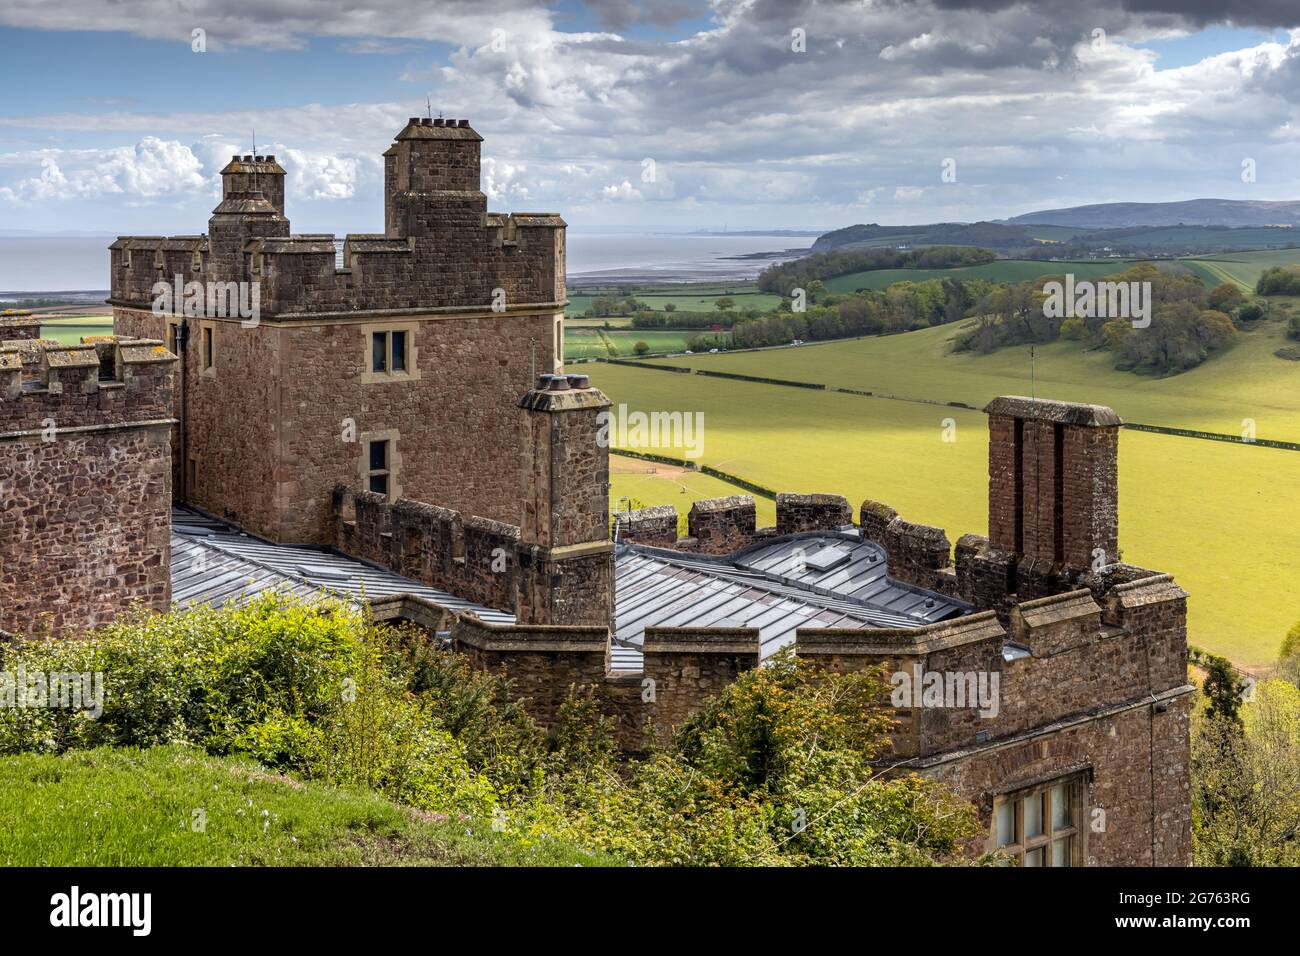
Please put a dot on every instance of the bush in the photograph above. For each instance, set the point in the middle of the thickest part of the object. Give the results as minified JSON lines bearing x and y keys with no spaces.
{"x":640,"y":348}
{"x":313,"y":688}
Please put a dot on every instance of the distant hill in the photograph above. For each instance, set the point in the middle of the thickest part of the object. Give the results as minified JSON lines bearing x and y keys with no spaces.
{"x":988,"y":235}
{"x":1191,"y":212}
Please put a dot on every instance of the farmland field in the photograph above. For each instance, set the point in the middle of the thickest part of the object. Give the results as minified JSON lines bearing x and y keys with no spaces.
{"x":642,"y":484}
{"x":1003,"y":270}
{"x":1208,"y":512}
{"x":687,"y":300}
{"x":70,"y":331}
{"x":1243,"y":268}
{"x":621,"y":343}
{"x":1245,"y":382}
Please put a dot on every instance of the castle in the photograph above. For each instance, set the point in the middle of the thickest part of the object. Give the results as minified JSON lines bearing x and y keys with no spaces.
{"x":397,"y":429}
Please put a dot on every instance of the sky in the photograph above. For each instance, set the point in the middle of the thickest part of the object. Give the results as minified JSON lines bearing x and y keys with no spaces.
{"x":661,"y":114}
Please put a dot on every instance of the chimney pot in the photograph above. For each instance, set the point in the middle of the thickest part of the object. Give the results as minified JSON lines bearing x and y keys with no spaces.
{"x":235,"y":158}
{"x":425,"y":121}
{"x":248,"y":157}
{"x":260,"y":159}
{"x":463,"y":124}
{"x":413,"y":121}
{"x":270,"y":157}
{"x":558,"y":383}
{"x":579,"y":381}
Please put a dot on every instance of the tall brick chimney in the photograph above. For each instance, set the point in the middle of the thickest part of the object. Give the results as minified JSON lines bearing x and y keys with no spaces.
{"x":1053,"y":480}
{"x":566,"y":560}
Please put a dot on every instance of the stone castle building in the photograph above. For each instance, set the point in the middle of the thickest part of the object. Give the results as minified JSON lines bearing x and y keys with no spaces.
{"x":397,"y":429}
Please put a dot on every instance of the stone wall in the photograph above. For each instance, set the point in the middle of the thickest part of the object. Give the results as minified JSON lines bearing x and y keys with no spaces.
{"x":470,"y":557}
{"x":287,"y":410}
{"x":795,"y":513}
{"x":1081,"y":686}
{"x":86,"y":481}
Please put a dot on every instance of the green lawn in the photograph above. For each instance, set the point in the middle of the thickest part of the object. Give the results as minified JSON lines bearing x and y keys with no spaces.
{"x":175,"y":806}
{"x":1211,"y":513}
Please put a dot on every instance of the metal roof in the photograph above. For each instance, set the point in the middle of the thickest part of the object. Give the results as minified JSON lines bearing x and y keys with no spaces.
{"x":215,"y":563}
{"x":771,"y":586}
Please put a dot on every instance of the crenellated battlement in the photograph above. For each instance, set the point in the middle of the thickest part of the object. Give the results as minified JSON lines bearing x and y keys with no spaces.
{"x":104,"y":381}
{"x":440,"y":251}
{"x":19,"y":324}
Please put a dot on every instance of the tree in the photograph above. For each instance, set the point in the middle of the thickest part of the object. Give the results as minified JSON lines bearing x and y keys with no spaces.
{"x":1246,"y":782}
{"x":640,"y":348}
{"x":1288,"y":657}
{"x":1222,"y":689}
{"x":1225,"y":297}
{"x":670,"y":306}
{"x":725,"y":303}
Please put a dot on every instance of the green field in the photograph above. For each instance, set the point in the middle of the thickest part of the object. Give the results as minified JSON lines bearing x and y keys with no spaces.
{"x":686,"y":300}
{"x":1211,"y":513}
{"x":1245,"y":382}
{"x":1243,"y":268}
{"x":1002,"y":270}
{"x":70,"y":332}
{"x":176,"y":806}
{"x":591,"y":342}
{"x":640,"y":484}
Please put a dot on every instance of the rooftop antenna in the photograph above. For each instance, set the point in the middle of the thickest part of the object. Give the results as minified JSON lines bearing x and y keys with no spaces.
{"x":256,"y":186}
{"x":428,"y":102}
{"x":1032,"y":392}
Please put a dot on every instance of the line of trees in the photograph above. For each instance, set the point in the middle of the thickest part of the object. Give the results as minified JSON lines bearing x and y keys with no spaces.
{"x":787,"y":276}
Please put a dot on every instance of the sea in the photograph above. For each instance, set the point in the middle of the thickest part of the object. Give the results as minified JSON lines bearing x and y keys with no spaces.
{"x":30,"y":265}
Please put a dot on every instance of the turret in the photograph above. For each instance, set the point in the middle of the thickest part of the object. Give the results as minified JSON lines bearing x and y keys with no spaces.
{"x":431,"y":179}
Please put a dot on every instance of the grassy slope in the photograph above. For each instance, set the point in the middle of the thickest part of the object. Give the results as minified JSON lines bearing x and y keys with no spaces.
{"x":1244,"y":268}
{"x":1209,"y":512}
{"x":136,"y":808}
{"x":1247,"y":381}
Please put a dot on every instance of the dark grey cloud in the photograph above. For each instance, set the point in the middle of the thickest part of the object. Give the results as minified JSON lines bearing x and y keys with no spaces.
{"x":621,"y":14}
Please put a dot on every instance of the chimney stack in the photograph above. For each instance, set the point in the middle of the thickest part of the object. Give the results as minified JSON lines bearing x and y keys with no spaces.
{"x":1053,"y":480}
{"x":566,"y":560}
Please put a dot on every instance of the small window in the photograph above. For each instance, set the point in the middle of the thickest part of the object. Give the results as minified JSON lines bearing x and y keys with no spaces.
{"x":1040,"y":826}
{"x":196,"y":261}
{"x":257,"y":263}
{"x":191,"y":475}
{"x":378,"y":472}
{"x":399,"y":351}
{"x":208,"y":349}
{"x":388,"y":352}
{"x":172,"y":328}
{"x":126,"y":258}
